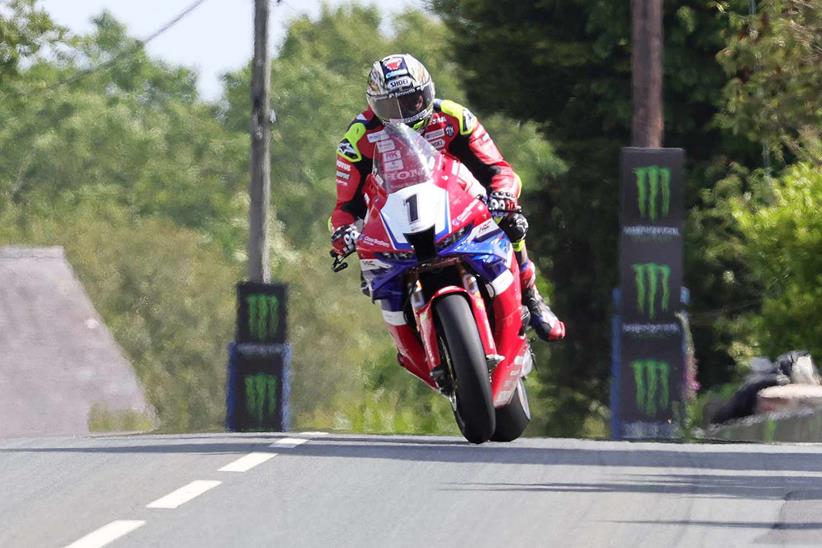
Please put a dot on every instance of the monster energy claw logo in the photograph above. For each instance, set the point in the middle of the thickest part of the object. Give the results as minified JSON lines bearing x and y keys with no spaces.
{"x":261,"y":396}
{"x":651,"y":379}
{"x":651,"y":182}
{"x":263,"y":316}
{"x":648,"y":277}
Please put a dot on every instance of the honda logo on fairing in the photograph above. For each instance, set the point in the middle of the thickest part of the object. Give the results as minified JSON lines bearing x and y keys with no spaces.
{"x":651,"y":280}
{"x":653,"y":185}
{"x":652,"y":386}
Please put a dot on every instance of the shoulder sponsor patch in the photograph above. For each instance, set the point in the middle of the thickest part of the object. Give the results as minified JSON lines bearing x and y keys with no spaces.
{"x":376,"y":136}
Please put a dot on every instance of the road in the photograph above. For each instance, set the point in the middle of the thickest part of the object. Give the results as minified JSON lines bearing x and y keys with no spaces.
{"x":375,"y":491}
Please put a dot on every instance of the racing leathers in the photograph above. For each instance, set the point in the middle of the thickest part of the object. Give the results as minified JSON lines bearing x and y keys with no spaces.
{"x":456,"y":131}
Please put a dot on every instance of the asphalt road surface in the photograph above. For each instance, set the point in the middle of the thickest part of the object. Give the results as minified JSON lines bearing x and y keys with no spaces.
{"x":312,"y":489}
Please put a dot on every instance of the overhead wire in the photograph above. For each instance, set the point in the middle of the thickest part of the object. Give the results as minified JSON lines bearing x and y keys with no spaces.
{"x":137,"y":46}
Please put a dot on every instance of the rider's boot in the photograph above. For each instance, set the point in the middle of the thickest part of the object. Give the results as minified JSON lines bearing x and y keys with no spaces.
{"x":545,"y":323}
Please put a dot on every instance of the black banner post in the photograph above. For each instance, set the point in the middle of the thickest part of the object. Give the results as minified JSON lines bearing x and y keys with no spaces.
{"x":648,"y":362}
{"x":259,"y":360}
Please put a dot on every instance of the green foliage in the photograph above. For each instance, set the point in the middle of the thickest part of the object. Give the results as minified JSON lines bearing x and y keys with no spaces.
{"x":165,"y":293}
{"x":24,"y":31}
{"x":785,"y":241}
{"x":774,"y":94}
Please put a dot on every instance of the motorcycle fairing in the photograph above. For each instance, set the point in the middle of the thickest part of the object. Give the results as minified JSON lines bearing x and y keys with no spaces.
{"x":397,"y":221}
{"x":486,"y":249}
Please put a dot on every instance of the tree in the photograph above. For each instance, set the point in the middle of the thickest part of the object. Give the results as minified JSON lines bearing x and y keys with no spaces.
{"x":24,"y":32}
{"x":773,"y":96}
{"x":785,"y":238}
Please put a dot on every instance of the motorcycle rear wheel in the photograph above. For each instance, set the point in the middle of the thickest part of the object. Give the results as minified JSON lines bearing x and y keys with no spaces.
{"x":512,"y":419}
{"x":473,"y":409}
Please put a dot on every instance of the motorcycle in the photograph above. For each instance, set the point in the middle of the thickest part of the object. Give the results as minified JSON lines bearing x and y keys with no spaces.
{"x":448,"y":284}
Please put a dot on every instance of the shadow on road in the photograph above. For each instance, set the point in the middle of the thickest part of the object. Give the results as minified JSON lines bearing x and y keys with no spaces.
{"x":454,"y":451}
{"x":797,"y":488}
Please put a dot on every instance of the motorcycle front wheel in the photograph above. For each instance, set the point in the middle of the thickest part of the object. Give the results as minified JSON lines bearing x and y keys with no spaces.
{"x":512,"y":419}
{"x":473,"y":409}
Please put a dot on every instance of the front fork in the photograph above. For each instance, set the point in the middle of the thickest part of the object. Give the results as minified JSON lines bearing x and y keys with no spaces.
{"x":505,"y":347}
{"x":426,"y":323}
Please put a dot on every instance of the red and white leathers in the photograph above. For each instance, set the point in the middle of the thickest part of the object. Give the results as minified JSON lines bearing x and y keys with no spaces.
{"x":452,"y":128}
{"x":455,"y":130}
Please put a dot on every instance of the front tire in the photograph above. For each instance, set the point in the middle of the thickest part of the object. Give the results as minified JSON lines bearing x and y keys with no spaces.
{"x":513,"y":418}
{"x":474,"y":409}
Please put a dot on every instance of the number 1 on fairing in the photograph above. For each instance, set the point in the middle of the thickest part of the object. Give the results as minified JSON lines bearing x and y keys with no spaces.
{"x":413,"y":213}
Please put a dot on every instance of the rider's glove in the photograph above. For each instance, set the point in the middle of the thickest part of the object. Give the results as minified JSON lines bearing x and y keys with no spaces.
{"x":344,"y":239}
{"x":502,"y":204}
{"x":508,"y":215}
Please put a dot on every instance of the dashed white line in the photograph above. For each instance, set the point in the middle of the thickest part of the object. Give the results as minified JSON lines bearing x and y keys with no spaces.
{"x":247,"y":462}
{"x":107,"y":534}
{"x":184,"y":494}
{"x":288,"y":442}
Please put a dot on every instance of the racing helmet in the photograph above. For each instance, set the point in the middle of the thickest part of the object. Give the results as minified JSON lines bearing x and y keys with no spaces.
{"x":400,"y":90}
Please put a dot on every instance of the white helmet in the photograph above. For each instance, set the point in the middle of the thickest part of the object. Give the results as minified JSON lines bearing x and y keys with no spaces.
{"x":400,"y":90}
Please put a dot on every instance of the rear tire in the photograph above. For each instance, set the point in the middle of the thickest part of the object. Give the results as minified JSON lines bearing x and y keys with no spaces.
{"x":513,"y":419}
{"x":474,"y":410}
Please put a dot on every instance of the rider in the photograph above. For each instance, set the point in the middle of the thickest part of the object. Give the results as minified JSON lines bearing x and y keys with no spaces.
{"x":400,"y":90}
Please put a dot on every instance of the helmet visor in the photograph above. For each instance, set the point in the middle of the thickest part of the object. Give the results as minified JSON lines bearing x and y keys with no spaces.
{"x":404,"y":108}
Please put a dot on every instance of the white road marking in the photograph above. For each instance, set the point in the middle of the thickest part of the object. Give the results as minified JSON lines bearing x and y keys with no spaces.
{"x":107,"y":534}
{"x":247,"y":462}
{"x":184,"y":494}
{"x":313,"y":433}
{"x":288,"y":442}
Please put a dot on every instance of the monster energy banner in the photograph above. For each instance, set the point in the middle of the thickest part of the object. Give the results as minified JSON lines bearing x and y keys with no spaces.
{"x":651,"y":269}
{"x":650,"y":403}
{"x":261,"y":317}
{"x":257,"y":395}
{"x":257,"y":390}
{"x":651,"y":239}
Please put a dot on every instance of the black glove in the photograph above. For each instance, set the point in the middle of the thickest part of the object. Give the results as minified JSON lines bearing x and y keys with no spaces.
{"x":344,"y":240}
{"x":507,"y":213}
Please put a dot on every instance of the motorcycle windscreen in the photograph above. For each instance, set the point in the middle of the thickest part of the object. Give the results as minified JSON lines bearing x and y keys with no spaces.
{"x":402,"y":158}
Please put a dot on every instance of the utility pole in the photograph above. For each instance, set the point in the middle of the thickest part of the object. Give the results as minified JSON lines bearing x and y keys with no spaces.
{"x":260,"y":188}
{"x":646,"y":73}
